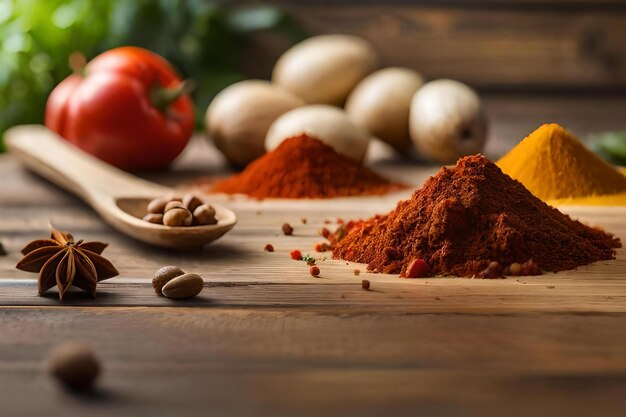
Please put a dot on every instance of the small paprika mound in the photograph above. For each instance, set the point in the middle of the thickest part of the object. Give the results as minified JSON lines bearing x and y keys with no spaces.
{"x":304,"y":167}
{"x":556,"y":167}
{"x":474,"y":220}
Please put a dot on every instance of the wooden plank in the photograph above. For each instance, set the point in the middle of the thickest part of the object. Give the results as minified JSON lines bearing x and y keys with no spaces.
{"x":283,"y":363}
{"x":496,"y":46}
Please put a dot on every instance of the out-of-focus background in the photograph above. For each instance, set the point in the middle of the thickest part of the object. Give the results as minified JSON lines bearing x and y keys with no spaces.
{"x":559,"y":51}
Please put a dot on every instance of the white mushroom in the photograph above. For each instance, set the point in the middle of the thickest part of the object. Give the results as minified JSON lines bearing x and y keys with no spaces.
{"x":238,"y":118}
{"x":324,"y":69}
{"x":381,"y":104}
{"x":447,"y":121}
{"x":329,"y":124}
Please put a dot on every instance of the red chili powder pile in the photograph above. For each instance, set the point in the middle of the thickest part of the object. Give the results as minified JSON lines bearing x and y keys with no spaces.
{"x":474,"y":220}
{"x":304,"y":167}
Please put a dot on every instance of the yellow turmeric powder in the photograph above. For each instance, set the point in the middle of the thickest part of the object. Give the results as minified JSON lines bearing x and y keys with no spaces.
{"x":557,"y":168}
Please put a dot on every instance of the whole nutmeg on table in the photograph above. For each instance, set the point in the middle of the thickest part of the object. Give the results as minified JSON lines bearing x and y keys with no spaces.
{"x":173,"y":282}
{"x":183,"y":286}
{"x":75,"y":365}
{"x":447,"y":121}
{"x":239,"y":116}
{"x":381,"y":103}
{"x":329,"y":124}
{"x":165,"y":275}
{"x":324,"y":69}
{"x":179,"y":212}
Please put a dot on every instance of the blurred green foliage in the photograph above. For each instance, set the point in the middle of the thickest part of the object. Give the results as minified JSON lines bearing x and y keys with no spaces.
{"x":203,"y":39}
{"x":610,"y":146}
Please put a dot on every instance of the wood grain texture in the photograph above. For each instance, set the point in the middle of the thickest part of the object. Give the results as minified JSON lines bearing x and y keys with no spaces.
{"x":489,"y":44}
{"x":232,"y":362}
{"x":266,"y":339}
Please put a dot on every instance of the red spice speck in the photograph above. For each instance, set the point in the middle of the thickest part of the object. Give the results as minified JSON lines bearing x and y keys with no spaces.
{"x":357,"y":272}
{"x":303,"y":220}
{"x":314,"y":271}
{"x":417,"y":269}
{"x":321,"y":247}
{"x":325,"y":232}
{"x":296,"y":255}
{"x":269,"y":247}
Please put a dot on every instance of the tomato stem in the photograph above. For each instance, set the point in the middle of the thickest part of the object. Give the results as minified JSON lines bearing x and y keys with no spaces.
{"x":77,"y":63}
{"x":161,"y":98}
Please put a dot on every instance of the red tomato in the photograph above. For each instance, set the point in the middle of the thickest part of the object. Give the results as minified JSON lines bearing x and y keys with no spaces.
{"x":126,"y":108}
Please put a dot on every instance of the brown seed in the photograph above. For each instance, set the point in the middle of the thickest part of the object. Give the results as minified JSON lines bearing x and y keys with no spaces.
{"x":357,"y":272}
{"x":314,"y":271}
{"x":153,"y":218}
{"x":165,"y":275}
{"x":177,"y":217}
{"x":157,"y":206}
{"x":75,"y":365}
{"x":172,"y":205}
{"x":515,"y":268}
{"x":287,"y":229}
{"x":204,"y":215}
{"x":184,"y":286}
{"x":365,"y":284}
{"x":191,"y":202}
{"x":269,"y":247}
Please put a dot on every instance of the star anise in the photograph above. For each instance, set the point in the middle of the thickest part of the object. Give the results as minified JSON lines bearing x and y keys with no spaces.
{"x":63,"y":262}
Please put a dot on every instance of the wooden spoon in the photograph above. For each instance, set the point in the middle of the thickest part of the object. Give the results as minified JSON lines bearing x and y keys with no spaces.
{"x":120,"y":198}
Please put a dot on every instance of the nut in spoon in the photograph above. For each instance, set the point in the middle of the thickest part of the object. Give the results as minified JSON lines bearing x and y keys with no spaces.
{"x":118,"y":197}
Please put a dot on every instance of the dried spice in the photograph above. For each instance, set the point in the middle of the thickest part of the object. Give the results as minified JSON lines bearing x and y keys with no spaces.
{"x":63,"y":262}
{"x":314,"y":270}
{"x":555,"y":166}
{"x":304,"y":167}
{"x":269,"y":247}
{"x":467,"y":217}
{"x":365,"y":284}
{"x":287,"y":229}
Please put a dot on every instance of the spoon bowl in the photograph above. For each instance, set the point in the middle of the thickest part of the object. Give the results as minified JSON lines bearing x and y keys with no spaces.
{"x":191,"y":237}
{"x":121,"y":199}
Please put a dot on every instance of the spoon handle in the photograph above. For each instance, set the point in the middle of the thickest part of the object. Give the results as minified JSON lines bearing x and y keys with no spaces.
{"x":52,"y":157}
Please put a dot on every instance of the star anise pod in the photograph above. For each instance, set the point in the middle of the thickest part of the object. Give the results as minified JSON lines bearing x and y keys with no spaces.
{"x":63,"y":262}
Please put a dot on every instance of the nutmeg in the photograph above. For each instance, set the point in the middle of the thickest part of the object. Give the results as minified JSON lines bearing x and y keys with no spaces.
{"x":153,"y":218}
{"x":157,"y":206}
{"x":163,"y":276}
{"x":191,"y":202}
{"x":75,"y":365}
{"x":184,"y":286}
{"x":204,"y":215}
{"x":177,"y":216}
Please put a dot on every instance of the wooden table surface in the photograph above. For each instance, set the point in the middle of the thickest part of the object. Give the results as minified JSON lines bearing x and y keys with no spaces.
{"x":266,"y":339}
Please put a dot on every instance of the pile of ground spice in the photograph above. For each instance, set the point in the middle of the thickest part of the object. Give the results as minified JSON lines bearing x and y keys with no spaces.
{"x":557,"y":167}
{"x":474,"y":220}
{"x":304,"y":167}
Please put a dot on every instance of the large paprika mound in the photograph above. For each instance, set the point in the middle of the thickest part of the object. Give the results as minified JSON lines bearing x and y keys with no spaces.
{"x":474,"y":220}
{"x":304,"y":167}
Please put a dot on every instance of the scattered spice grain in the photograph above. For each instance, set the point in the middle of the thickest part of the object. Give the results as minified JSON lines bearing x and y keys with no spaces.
{"x":365,"y":284}
{"x":467,"y":217}
{"x":287,"y":229}
{"x":321,"y":247}
{"x":314,"y":270}
{"x":296,"y":255}
{"x":357,"y":272}
{"x":304,"y":167}
{"x":269,"y":247}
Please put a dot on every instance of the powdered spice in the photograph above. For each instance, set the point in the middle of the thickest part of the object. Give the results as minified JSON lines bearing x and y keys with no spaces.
{"x":304,"y":167}
{"x":473,"y":220}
